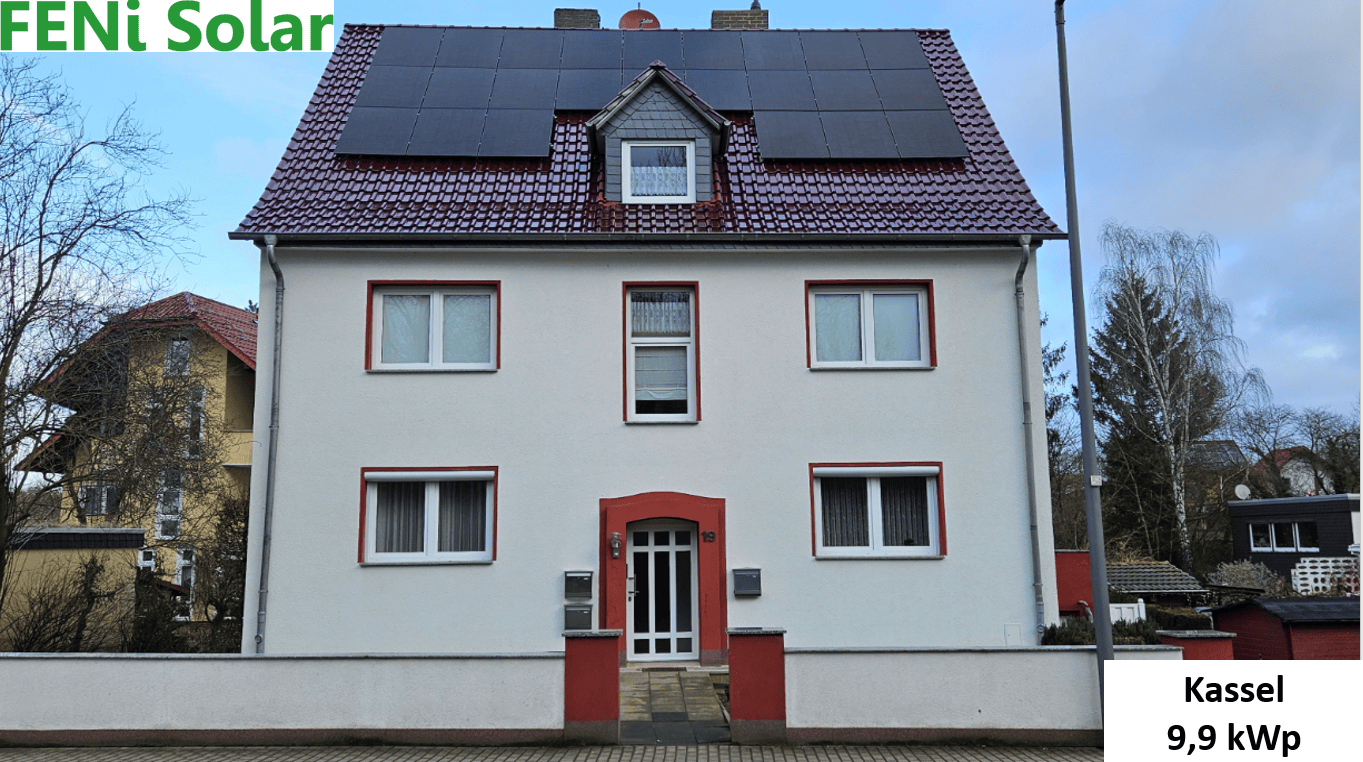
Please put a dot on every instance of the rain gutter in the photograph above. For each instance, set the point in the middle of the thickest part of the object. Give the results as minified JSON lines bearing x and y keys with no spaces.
{"x":268,"y":513}
{"x":1025,"y":367}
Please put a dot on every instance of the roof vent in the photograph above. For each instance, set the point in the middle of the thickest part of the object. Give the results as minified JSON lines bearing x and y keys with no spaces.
{"x":756,"y":18}
{"x":576,"y":18}
{"x":639,"y":19}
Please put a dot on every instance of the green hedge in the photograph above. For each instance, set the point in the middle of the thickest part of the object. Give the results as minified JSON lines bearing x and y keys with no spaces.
{"x":1079,"y":632}
{"x":1177,"y":618}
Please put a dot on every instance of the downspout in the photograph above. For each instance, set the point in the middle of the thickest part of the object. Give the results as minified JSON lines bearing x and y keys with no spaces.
{"x":1019,"y":294}
{"x":268,"y":513}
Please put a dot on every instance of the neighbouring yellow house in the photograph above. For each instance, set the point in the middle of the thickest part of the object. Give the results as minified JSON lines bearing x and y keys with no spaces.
{"x":159,"y":437}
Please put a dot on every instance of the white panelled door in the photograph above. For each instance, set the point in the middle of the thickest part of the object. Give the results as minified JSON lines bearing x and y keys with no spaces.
{"x":662,"y":612}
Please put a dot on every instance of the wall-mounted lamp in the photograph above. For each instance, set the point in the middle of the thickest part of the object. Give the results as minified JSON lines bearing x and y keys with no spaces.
{"x":615,"y":544}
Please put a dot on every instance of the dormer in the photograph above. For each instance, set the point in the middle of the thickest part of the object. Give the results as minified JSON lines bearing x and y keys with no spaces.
{"x":659,"y":141}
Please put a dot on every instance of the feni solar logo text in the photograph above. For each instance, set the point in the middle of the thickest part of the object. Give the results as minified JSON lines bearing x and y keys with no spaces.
{"x":160,"y":26}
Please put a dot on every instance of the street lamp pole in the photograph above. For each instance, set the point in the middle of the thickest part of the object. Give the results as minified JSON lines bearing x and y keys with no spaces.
{"x":1102,"y":613}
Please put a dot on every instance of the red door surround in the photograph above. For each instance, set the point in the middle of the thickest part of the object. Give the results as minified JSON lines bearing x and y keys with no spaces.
{"x":712,"y":587}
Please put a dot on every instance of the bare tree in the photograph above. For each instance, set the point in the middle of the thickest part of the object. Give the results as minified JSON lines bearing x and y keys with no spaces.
{"x":80,"y":243}
{"x":1064,"y":461}
{"x":1168,"y":367}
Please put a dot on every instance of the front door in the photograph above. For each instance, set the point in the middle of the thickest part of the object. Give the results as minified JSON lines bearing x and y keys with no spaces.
{"x":662,"y":610}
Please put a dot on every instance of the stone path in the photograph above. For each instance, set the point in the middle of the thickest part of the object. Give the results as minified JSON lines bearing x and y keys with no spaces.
{"x":670,"y":707}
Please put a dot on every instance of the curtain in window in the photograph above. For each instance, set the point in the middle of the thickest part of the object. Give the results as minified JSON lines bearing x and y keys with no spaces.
{"x":463,"y":517}
{"x":837,"y":326}
{"x":904,"y":510}
{"x":658,"y":170}
{"x":399,"y":525}
{"x":895,"y":317}
{"x":659,"y":373}
{"x":660,"y":313}
{"x":844,"y":512}
{"x":468,"y":327}
{"x":406,"y":328}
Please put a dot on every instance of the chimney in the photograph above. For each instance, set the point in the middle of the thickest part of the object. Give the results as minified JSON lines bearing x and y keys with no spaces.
{"x":756,"y":18}
{"x":576,"y":18}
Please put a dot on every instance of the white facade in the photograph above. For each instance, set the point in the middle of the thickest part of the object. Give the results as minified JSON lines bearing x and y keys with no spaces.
{"x":550,"y":421}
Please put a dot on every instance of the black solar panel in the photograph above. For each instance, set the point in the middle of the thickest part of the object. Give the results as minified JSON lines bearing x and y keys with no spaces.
{"x":790,"y":135}
{"x":845,"y":90}
{"x":858,"y":135}
{"x":531,"y":49}
{"x":470,"y":48}
{"x":518,"y":132}
{"x":926,"y":135}
{"x":382,"y":131}
{"x":408,"y":46}
{"x":912,"y":89}
{"x":781,"y":91}
{"x":712,"y":50}
{"x":722,"y":90}
{"x":893,"y":50}
{"x":643,"y":48}
{"x":773,"y":50}
{"x":524,"y":88}
{"x":583,"y":49}
{"x":393,"y":86}
{"x":459,"y":88}
{"x":587,"y":89}
{"x":832,"y":51}
{"x":447,"y":132}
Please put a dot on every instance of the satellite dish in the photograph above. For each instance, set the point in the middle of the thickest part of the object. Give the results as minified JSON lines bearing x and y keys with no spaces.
{"x":1241,"y":492}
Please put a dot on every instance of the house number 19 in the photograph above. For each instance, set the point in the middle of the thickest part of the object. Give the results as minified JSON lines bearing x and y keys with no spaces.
{"x":707,"y":536}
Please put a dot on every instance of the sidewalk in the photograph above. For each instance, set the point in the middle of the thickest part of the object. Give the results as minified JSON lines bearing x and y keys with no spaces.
{"x":711,"y":753}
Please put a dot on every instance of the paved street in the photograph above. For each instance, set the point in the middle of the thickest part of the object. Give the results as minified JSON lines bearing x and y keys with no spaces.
{"x":708,"y":753}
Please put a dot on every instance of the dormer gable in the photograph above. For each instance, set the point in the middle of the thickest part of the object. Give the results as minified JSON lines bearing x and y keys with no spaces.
{"x":659,"y":140}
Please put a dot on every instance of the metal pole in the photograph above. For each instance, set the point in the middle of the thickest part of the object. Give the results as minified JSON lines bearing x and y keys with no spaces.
{"x":1102,"y":614}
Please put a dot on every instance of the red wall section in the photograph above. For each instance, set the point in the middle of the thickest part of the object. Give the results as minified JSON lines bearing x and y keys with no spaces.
{"x":591,"y":679}
{"x":1258,"y":634}
{"x":1072,"y":581}
{"x":757,"y":677}
{"x":1203,"y":649}
{"x":1324,"y":641}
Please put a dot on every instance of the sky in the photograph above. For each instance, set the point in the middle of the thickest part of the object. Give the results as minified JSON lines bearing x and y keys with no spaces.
{"x":1238,"y":118}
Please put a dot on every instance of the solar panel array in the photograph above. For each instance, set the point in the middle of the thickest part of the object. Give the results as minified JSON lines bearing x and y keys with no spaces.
{"x":458,"y":91}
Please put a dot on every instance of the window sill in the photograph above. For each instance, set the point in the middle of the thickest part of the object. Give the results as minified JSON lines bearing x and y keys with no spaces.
{"x":661,"y":423}
{"x":924,"y":557}
{"x":872,"y":367}
{"x":485,"y":562}
{"x":431,"y":370}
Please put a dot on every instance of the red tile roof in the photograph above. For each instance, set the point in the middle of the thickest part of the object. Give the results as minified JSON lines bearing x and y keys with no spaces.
{"x":230,"y":326}
{"x":313,"y":191}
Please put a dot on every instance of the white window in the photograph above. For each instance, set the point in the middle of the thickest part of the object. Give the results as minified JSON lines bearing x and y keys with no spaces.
{"x":169,"y":503}
{"x":658,"y":172}
{"x":869,"y":326}
{"x":177,"y":356}
{"x":432,"y":516}
{"x":660,"y":359}
{"x":1284,"y":537}
{"x":434,"y":328}
{"x":146,"y":559}
{"x":876,"y":511}
{"x":99,"y":499}
{"x":194,"y":423}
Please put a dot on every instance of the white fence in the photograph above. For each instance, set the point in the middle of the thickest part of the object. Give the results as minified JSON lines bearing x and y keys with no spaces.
{"x":1047,"y":694}
{"x":155,"y":698}
{"x":1128,"y":612}
{"x":1317,"y":574}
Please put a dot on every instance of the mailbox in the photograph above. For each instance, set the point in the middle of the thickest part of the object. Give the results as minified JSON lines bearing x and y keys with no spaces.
{"x":577,"y":585}
{"x":577,"y":617}
{"x":747,"y":583}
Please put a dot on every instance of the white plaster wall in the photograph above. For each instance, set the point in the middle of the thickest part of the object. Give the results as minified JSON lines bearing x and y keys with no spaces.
{"x":147,"y":692}
{"x":551,"y":420}
{"x":1042,"y":688}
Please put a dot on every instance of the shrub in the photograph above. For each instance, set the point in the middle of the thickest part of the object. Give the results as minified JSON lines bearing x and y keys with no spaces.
{"x":1177,"y":618}
{"x":1080,"y":632}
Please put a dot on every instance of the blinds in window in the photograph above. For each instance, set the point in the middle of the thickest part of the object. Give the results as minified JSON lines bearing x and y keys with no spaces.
{"x":660,"y":373}
{"x":399,"y":525}
{"x":463,"y":517}
{"x":904,"y":510}
{"x":844,"y":512}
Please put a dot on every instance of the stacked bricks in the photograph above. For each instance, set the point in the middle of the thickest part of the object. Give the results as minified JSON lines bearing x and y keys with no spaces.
{"x":754,"y":19}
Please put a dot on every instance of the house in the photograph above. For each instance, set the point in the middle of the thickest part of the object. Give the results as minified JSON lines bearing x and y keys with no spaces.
{"x":160,"y":434}
{"x":654,"y":330}
{"x":1292,"y":628}
{"x":1309,"y":540}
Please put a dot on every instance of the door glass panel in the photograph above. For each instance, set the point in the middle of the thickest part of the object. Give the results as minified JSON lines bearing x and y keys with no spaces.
{"x":640,"y":538}
{"x":641,"y":646}
{"x":664,"y":645}
{"x":683,"y":538}
{"x":641,"y":595}
{"x":683,"y":589}
{"x":683,"y":645}
{"x":662,"y":538}
{"x":662,"y":583}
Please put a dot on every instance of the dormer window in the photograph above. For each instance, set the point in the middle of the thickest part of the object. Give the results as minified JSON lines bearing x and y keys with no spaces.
{"x":659,"y":171}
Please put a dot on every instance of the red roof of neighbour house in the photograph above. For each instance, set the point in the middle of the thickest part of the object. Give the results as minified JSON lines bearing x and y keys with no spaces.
{"x":316,"y":192}
{"x":230,"y":326}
